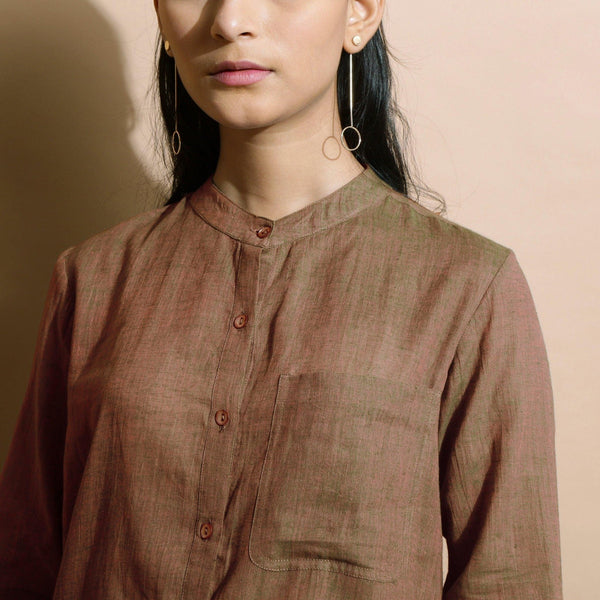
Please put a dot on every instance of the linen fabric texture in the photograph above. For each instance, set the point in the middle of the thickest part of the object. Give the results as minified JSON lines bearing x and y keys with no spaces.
{"x":224,"y":406}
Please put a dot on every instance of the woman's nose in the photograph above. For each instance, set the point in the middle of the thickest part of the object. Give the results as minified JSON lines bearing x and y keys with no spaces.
{"x":233,"y":18}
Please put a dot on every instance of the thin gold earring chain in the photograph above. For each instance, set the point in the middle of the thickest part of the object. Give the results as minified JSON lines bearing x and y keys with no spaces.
{"x":351,"y":95}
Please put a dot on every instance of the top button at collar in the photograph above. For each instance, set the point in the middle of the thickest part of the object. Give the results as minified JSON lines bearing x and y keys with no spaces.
{"x":264,"y":231}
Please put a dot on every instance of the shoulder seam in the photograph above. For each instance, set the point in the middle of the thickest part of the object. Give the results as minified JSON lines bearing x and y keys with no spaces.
{"x":484,"y":296}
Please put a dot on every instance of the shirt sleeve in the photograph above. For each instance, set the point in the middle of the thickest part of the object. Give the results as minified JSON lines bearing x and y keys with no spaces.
{"x":497,"y":457}
{"x":31,"y":480}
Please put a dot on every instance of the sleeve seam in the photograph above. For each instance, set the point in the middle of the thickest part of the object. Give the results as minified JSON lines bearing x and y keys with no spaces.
{"x":66,"y":306}
{"x":482,"y":300}
{"x":456,"y":360}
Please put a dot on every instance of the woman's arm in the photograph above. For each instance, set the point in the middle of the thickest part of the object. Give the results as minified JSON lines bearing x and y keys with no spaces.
{"x":31,"y":480}
{"x":497,"y":461}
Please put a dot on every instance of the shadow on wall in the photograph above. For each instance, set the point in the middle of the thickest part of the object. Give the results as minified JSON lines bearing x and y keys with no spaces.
{"x":68,"y":169}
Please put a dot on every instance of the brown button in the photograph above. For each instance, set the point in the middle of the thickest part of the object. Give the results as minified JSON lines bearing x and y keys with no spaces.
{"x":206,"y":531}
{"x":240,"y":321}
{"x":264,"y":231}
{"x":222,"y":417}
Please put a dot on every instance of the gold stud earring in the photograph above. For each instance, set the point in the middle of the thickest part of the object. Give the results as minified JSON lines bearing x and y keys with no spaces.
{"x":167,"y":46}
{"x":356,"y":40}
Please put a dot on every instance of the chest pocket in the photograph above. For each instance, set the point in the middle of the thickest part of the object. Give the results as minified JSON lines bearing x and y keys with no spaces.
{"x":342,"y":465}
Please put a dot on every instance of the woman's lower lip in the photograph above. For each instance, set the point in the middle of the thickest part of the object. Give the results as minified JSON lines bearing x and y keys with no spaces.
{"x":242,"y":77}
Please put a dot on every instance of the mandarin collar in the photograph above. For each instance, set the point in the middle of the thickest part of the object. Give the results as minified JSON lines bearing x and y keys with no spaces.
{"x":225,"y":215}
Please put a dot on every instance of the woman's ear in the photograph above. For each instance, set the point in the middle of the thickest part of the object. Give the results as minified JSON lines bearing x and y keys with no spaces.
{"x":157,"y":15}
{"x":364,"y":18}
{"x":168,"y":49}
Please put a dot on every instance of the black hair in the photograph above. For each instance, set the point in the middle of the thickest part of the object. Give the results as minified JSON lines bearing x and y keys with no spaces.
{"x":376,"y":116}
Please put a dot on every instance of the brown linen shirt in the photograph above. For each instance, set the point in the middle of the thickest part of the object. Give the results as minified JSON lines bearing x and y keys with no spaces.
{"x":223,"y":406}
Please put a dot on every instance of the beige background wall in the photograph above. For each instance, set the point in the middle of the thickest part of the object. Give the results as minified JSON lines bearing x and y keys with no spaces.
{"x":503,"y":99}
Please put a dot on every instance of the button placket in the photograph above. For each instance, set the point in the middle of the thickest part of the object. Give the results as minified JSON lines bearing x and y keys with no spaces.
{"x":222,"y":433}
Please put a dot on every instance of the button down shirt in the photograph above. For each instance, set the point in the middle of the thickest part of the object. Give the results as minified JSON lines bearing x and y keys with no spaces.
{"x":224,"y":406}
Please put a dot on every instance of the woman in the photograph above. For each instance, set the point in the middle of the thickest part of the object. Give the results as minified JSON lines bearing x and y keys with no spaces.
{"x":291,"y":381}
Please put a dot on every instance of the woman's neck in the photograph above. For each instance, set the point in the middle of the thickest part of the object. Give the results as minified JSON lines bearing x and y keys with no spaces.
{"x":273,"y":174}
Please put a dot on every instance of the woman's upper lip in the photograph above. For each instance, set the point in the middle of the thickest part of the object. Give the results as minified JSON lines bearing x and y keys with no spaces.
{"x":229,"y":65}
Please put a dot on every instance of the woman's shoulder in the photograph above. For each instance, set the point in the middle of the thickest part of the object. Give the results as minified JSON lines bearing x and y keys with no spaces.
{"x":430,"y":237}
{"x":439,"y":252}
{"x":109,"y":249}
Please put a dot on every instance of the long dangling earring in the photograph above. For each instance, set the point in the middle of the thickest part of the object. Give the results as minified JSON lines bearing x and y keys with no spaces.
{"x":176,"y":137}
{"x":356,"y":40}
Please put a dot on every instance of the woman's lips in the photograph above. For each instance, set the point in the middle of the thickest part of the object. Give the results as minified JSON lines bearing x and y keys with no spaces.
{"x":241,"y":76}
